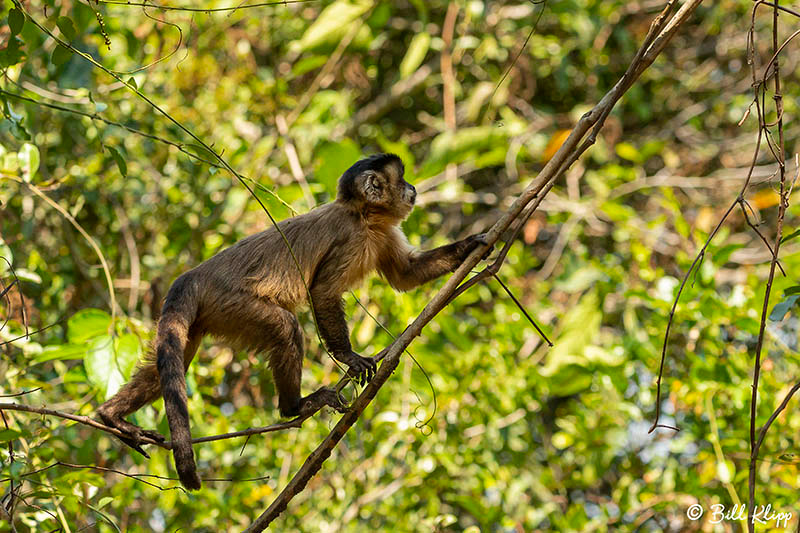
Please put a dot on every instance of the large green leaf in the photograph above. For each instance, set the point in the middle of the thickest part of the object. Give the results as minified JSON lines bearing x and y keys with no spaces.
{"x":109,"y":362}
{"x":580,"y":327}
{"x":87,"y":324}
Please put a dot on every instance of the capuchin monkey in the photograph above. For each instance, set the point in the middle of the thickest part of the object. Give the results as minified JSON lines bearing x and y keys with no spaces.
{"x":248,"y":294}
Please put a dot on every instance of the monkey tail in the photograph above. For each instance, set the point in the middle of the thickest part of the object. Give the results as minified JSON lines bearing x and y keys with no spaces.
{"x":177,"y":315}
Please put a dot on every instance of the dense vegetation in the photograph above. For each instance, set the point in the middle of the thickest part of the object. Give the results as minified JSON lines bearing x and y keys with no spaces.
{"x":485,"y":428}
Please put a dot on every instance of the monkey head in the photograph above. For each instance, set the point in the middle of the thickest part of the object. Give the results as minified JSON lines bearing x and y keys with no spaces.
{"x":376,"y":185}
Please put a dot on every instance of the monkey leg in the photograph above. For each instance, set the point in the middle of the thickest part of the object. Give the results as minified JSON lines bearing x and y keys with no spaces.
{"x":283,"y":340}
{"x":143,"y":388}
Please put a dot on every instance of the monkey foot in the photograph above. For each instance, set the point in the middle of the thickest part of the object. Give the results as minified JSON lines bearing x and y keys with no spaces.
{"x":134,"y":435}
{"x":477,"y":240}
{"x":361,"y":368}
{"x":319,"y":399}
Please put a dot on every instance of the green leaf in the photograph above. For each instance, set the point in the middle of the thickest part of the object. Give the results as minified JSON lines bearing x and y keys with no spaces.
{"x":307,"y":64}
{"x":109,"y":362}
{"x":67,"y":27}
{"x":628,"y":151}
{"x":456,"y":146}
{"x":58,"y":352}
{"x":333,"y":160}
{"x":722,"y":255}
{"x":569,"y":380}
{"x":782,"y":307}
{"x":580,"y":280}
{"x":100,"y":368}
{"x":19,"y":131}
{"x":9,"y":434}
{"x":13,"y":53}
{"x":121,"y":164}
{"x":580,"y":327}
{"x":132,"y":83}
{"x":332,"y":23}
{"x":792,"y":290}
{"x":87,"y":324}
{"x":29,"y":161}
{"x":129,"y":350}
{"x":60,"y":55}
{"x":16,"y":19}
{"x":104,"y":501}
{"x":417,"y":50}
{"x":791,"y":236}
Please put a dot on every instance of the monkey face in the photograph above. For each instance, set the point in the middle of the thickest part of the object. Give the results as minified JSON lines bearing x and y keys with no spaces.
{"x":377,"y":184}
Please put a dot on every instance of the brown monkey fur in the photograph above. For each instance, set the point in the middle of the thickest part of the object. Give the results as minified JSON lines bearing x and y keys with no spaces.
{"x":248,"y":295}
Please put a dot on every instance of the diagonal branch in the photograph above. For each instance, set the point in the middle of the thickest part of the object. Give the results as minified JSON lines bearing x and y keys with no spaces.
{"x":661,"y":31}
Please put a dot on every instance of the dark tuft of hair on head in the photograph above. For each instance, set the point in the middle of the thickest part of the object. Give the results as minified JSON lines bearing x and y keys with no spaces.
{"x":374,"y":162}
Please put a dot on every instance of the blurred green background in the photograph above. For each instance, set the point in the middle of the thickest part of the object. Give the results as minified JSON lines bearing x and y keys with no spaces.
{"x":499,"y":433}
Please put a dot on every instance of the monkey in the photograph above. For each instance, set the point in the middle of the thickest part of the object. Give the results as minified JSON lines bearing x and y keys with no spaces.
{"x":248,"y":295}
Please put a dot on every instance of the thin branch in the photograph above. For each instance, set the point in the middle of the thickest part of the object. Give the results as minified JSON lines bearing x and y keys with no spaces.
{"x":784,"y":204}
{"x":701,"y":254}
{"x":99,"y":118}
{"x":206,"y":10}
{"x":85,"y":420}
{"x":137,"y":477}
{"x":167,"y":445}
{"x":522,"y":309}
{"x":11,"y":341}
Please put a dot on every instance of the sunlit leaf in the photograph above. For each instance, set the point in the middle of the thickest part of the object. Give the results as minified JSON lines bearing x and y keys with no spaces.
{"x":87,"y":324}
{"x":415,"y":54}
{"x":790,"y":236}
{"x":628,"y":151}
{"x":332,"y":23}
{"x":29,"y":160}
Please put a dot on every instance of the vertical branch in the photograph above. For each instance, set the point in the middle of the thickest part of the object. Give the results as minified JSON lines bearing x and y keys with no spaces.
{"x":780,"y":156}
{"x":449,"y":79}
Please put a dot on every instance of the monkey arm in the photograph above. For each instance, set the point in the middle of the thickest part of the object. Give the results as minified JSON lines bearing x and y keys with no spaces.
{"x":329,"y":312}
{"x":405,"y":268}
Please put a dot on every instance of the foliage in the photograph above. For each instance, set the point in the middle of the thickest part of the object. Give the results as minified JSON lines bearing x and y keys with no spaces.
{"x":498,"y":433}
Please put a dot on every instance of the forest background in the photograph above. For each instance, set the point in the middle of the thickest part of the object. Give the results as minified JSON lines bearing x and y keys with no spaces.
{"x":104,"y":201}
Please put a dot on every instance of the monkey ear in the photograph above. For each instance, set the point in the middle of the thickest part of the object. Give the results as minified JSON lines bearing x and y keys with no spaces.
{"x":370,"y":186}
